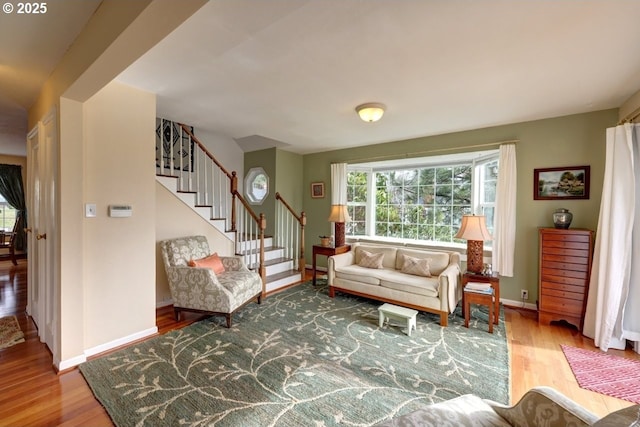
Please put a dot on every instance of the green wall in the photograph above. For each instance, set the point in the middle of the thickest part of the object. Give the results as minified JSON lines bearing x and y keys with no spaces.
{"x":563,"y":141}
{"x":285,"y":177}
{"x":266,"y":159}
{"x":289,"y":174}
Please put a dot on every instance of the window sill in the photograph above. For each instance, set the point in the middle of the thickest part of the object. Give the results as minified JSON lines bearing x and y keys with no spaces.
{"x":418,"y":244}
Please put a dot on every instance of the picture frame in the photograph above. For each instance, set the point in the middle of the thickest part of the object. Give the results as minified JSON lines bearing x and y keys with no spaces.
{"x":562,"y":183}
{"x":317,"y":190}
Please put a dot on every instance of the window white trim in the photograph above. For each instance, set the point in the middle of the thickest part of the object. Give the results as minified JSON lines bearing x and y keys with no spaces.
{"x":476,"y":159}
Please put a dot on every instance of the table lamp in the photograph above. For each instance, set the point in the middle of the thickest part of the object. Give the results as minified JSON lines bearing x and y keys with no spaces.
{"x":474,"y":231}
{"x":339,"y":216}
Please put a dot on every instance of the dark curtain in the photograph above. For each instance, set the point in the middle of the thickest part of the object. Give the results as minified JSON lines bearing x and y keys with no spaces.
{"x":12,"y":190}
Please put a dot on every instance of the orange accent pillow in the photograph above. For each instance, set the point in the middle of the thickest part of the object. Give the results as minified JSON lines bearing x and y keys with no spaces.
{"x":212,"y":261}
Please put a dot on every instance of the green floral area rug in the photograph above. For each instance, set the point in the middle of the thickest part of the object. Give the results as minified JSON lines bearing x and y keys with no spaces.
{"x":300,"y":359}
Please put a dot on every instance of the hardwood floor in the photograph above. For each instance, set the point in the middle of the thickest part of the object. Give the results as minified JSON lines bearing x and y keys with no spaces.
{"x":32,"y":394}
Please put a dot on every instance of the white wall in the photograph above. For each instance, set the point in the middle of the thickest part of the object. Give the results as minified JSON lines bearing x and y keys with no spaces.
{"x":119,"y":253}
{"x":226,"y":150}
{"x":175,"y":219}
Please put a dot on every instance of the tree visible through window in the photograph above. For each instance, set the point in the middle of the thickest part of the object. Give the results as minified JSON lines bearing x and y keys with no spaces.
{"x":420,"y":203}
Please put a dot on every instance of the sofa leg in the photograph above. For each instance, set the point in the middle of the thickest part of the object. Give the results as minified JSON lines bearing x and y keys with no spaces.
{"x":444,"y":319}
{"x":228,"y":316}
{"x":332,"y":292}
{"x":260,"y":299}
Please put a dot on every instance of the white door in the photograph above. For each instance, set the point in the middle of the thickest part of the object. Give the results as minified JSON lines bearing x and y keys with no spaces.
{"x":42,"y":306}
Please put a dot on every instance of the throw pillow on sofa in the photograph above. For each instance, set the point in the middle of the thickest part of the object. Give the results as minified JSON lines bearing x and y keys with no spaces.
{"x":416,"y":266}
{"x":212,"y":261}
{"x":370,"y":260}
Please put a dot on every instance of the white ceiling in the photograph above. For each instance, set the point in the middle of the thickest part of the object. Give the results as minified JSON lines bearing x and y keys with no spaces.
{"x":291,"y":72}
{"x":30,"y":48}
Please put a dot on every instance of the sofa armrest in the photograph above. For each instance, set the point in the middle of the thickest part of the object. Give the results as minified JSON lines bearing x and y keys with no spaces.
{"x":337,"y":261}
{"x":545,"y":406}
{"x":234,"y":263}
{"x":449,"y":292}
{"x":191,"y":286}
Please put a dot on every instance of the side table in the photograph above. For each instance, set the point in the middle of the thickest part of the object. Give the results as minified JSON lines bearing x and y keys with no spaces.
{"x":326,"y":251}
{"x":471,"y":297}
{"x":492,"y":279}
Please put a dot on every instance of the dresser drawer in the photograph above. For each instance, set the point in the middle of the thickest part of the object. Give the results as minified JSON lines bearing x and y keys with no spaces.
{"x":567,"y":237}
{"x":565,"y":306}
{"x":564,"y":273}
{"x":555,"y":293}
{"x":563,"y":280}
{"x":564,"y":259}
{"x":578,"y":289}
{"x":569,"y":266}
{"x":583,"y":253}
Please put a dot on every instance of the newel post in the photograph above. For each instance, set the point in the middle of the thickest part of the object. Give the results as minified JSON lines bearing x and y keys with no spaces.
{"x":234,"y":190}
{"x":263,"y":270}
{"x":302,"y":262}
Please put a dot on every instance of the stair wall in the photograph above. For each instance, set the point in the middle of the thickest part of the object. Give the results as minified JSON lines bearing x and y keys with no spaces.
{"x":168,"y":208}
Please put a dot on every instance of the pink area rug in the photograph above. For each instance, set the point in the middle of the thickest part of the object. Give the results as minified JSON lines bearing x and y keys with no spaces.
{"x":606,"y":374}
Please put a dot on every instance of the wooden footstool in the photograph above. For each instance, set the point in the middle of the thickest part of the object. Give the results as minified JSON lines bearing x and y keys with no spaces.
{"x":481,"y":298}
{"x":390,"y":311}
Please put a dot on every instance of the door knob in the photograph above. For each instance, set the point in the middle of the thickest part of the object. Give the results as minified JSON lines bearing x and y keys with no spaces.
{"x":28,"y":230}
{"x":41,"y":236}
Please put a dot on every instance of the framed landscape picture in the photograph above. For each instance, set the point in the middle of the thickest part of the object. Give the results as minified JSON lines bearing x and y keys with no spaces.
{"x":571,"y":182}
{"x":317,"y":190}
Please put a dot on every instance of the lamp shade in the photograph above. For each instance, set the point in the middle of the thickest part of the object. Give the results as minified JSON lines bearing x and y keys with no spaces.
{"x":474,"y":227}
{"x":339,"y":213}
{"x":371,"y":112}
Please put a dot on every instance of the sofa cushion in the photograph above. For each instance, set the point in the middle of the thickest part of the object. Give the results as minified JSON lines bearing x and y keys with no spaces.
{"x":439,"y":260}
{"x":358,"y":274}
{"x":416,"y":266}
{"x":427,"y":286}
{"x":369,"y":260}
{"x":389,"y":260}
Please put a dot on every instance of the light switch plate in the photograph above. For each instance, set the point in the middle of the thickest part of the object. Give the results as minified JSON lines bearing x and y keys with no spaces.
{"x":90,"y":210}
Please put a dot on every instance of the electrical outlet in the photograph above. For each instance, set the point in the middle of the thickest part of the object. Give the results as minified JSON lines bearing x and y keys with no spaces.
{"x":524,"y":294}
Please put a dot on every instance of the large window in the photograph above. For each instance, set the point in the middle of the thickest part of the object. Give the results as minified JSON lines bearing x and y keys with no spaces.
{"x":424,"y":201}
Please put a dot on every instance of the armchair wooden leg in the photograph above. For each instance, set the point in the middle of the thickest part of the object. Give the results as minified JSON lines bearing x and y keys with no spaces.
{"x":228,"y":316}
{"x":177,"y":313}
{"x":259,"y":299}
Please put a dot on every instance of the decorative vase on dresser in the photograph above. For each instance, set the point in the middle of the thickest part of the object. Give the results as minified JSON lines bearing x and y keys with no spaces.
{"x":565,"y":268}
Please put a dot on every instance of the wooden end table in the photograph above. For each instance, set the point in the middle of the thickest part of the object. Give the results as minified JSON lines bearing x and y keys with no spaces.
{"x":326,"y":251}
{"x":492,"y":279}
{"x":471,"y":297}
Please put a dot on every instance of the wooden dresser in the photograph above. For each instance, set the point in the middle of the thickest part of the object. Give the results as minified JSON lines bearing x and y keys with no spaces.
{"x":565,"y":268}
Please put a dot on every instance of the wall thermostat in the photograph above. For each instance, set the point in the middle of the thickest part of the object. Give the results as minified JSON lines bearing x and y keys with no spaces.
{"x":120,"y":211}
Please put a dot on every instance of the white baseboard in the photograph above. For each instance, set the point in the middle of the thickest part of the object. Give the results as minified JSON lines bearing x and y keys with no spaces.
{"x":519,"y":304}
{"x":63,"y":365}
{"x":160,"y":304}
{"x":120,"y":342}
{"x":310,"y":267}
{"x":77,"y":360}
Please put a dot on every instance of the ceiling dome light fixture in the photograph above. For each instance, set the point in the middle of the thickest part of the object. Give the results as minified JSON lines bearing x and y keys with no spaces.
{"x":370,"y":112}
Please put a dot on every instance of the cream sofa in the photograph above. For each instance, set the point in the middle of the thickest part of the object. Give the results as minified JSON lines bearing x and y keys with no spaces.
{"x":437,"y":294}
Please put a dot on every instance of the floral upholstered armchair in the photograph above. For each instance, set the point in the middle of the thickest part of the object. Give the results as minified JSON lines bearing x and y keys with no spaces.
{"x":221,"y":290}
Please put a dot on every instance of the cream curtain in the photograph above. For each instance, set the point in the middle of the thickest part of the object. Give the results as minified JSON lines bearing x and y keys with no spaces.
{"x":338,"y":183}
{"x":614,"y":288}
{"x":504,"y":227}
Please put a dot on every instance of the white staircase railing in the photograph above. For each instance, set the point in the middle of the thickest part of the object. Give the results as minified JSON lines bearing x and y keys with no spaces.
{"x":180,"y":154}
{"x":289,"y":232}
